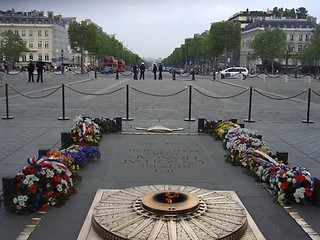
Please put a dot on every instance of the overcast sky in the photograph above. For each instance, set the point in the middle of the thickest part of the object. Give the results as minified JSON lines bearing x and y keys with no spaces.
{"x":154,"y":28}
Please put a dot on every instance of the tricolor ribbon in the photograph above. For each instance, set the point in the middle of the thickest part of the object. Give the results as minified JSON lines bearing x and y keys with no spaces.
{"x":46,"y":162}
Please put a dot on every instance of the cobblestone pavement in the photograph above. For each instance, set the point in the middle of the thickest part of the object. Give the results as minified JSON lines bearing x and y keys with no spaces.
{"x":35,"y":123}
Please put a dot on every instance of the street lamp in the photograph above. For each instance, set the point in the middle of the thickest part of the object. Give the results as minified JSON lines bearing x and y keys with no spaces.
{"x":61,"y":60}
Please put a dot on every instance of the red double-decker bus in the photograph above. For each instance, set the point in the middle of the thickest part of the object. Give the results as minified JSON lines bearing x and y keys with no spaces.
{"x":111,"y":62}
{"x":121,"y":65}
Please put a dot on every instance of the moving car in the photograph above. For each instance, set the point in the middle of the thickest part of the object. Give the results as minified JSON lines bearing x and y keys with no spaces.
{"x":232,"y":71}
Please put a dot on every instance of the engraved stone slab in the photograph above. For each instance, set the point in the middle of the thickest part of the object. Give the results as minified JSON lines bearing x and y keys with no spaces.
{"x":117,"y":214}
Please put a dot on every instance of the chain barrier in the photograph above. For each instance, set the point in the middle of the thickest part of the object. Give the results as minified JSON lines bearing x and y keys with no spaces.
{"x":279,"y":98}
{"x":318,"y":94}
{"x":159,"y":95}
{"x":126,"y":75}
{"x":34,"y":97}
{"x":180,"y":74}
{"x":221,"y":97}
{"x":1,"y":85}
{"x":94,"y":94}
{"x":294,"y":76}
{"x":273,"y":76}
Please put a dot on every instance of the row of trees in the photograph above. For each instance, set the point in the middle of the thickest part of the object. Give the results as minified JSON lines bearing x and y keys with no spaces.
{"x":91,"y":38}
{"x":222,"y":40}
{"x":83,"y":38}
{"x":222,"y":43}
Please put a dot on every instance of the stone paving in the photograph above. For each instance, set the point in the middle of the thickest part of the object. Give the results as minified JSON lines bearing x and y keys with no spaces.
{"x":36,"y":126}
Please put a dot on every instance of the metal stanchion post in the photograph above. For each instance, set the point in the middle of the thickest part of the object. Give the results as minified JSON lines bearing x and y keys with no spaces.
{"x":250,"y":106}
{"x":63,"y":106}
{"x":308,"y":110}
{"x":127,"y":96}
{"x":7,"y":104}
{"x":190,"y":100}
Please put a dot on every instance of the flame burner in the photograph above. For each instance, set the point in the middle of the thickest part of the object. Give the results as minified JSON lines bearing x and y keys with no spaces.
{"x":170,"y":203}
{"x":170,"y":212}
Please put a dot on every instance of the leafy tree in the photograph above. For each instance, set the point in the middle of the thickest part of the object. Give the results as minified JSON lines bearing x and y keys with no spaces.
{"x":12,"y":46}
{"x":224,"y":38}
{"x":269,"y":45}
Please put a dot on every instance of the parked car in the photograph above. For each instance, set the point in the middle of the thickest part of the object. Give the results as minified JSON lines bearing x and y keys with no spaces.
{"x":232,"y":71}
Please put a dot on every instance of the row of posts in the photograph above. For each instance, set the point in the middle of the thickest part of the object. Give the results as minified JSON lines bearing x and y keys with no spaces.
{"x":249,"y":119}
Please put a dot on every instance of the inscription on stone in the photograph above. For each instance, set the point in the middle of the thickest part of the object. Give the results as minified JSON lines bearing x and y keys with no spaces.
{"x":168,"y":157}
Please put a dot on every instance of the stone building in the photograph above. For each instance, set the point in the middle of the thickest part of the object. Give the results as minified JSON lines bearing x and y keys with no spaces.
{"x":45,"y":36}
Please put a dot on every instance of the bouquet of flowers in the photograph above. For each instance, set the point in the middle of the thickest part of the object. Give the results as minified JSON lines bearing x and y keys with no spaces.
{"x":85,"y":132}
{"x":106,"y":125}
{"x":222,"y":128}
{"x":82,"y":155}
{"x":292,"y":184}
{"x":44,"y":183}
{"x":238,"y":140}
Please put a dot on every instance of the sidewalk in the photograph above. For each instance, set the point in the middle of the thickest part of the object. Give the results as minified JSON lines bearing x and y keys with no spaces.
{"x":36,"y":126}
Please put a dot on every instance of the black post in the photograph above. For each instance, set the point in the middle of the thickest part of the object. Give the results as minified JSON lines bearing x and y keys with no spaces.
{"x":190,"y":99}
{"x":308,"y":110}
{"x":119,"y":124}
{"x":200,"y":124}
{"x":117,"y":75}
{"x":127,"y":110}
{"x":63,"y":106}
{"x":8,"y":188}
{"x":173,"y":74}
{"x":193,"y":73}
{"x":7,"y":104}
{"x":95,"y":72}
{"x":250,"y":106}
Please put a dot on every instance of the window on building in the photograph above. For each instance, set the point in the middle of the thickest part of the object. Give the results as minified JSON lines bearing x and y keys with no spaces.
{"x":30,"y":56}
{"x":291,"y":37}
{"x":46,"y":33}
{"x":46,"y":44}
{"x":30,"y":44}
{"x":24,"y":58}
{"x":39,"y":56}
{"x":46,"y":57}
{"x":30,"y":33}
{"x":23,"y":33}
{"x":307,"y":38}
{"x":39,"y":33}
{"x":16,"y":31}
{"x":39,"y":44}
{"x":300,"y":48}
{"x":300,"y":37}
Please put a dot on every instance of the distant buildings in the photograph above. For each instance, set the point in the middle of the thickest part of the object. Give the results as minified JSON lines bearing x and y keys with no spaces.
{"x":45,"y":36}
{"x":299,"y":32}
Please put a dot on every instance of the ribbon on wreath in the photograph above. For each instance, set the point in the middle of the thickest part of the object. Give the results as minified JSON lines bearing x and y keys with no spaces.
{"x":47,"y":162}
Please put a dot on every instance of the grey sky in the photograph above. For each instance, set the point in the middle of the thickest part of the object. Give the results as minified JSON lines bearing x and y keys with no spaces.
{"x":154,"y":28}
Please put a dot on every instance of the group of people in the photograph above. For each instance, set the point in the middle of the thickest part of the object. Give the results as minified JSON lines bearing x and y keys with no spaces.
{"x":142,"y":69}
{"x":39,"y":66}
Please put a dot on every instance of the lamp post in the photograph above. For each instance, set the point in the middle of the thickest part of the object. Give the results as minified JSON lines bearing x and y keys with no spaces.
{"x":296,"y":67}
{"x":62,"y":61}
{"x":73,"y":61}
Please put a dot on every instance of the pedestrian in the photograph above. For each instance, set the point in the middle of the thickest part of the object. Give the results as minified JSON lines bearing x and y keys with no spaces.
{"x":30,"y":71}
{"x":142,"y":70}
{"x":40,"y":66}
{"x":135,"y":72}
{"x":160,"y":71}
{"x":154,"y":70}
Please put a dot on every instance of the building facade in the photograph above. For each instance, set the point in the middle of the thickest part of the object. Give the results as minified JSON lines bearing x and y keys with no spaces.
{"x":46,"y":37}
{"x":298,"y":31}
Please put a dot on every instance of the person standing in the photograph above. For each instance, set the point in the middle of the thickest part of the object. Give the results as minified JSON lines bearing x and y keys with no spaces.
{"x":142,"y":70}
{"x":135,"y":72}
{"x":160,"y":71}
{"x":39,"y":66}
{"x":30,"y":71}
{"x":154,"y":70}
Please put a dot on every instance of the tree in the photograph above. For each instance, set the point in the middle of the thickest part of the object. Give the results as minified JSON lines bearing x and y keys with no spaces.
{"x":12,"y":46}
{"x":224,"y":38}
{"x":269,"y":45}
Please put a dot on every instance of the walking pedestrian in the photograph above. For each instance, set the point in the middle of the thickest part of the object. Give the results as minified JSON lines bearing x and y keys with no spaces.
{"x":142,"y":70}
{"x":40,"y":66}
{"x":160,"y":71}
{"x":30,"y":71}
{"x":154,"y":70}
